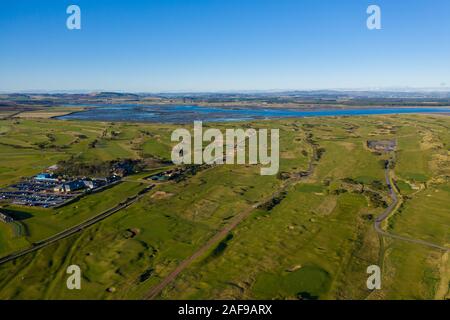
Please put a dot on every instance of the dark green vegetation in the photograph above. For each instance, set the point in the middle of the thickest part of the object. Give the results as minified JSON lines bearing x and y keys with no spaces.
{"x":306,"y":283}
{"x":312,"y":240}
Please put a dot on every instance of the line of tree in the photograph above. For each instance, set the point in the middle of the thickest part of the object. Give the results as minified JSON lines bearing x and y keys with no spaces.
{"x":75,"y":168}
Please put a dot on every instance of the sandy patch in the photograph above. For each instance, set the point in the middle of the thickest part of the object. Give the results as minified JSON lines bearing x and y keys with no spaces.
{"x":161,"y":195}
{"x":288,"y":155}
{"x":327,"y":206}
{"x":442,"y":291}
{"x":347,"y":145}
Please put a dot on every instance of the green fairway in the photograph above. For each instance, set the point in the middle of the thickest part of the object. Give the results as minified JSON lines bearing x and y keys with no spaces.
{"x":306,"y":283}
{"x":312,"y":238}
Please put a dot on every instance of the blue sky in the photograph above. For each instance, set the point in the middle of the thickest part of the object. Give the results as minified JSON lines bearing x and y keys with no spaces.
{"x":219,"y":45}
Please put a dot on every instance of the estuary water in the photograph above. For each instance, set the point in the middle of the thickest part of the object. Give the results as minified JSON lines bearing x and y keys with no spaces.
{"x":189,"y":113}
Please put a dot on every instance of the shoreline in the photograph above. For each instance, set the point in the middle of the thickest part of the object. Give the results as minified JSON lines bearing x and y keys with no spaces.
{"x":219,"y":115}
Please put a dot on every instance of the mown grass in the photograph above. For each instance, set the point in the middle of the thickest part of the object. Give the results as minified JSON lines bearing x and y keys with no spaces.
{"x":306,"y":283}
{"x":314,"y":243}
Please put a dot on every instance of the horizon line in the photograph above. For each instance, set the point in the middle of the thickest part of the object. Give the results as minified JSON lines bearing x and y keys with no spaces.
{"x":398,"y":89}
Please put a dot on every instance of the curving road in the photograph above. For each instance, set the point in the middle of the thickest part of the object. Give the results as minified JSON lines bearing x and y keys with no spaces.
{"x":75,"y":229}
{"x":389,"y":210}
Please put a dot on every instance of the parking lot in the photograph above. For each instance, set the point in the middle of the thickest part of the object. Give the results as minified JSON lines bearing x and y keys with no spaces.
{"x":36,"y":192}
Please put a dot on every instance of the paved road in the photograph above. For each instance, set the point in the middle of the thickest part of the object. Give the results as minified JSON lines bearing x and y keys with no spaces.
{"x":389,"y":211}
{"x":68,"y":232}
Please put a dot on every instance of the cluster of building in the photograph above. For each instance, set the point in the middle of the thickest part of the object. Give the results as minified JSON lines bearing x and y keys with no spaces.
{"x":162,"y":176}
{"x":74,"y":185}
{"x":170,"y":174}
{"x":48,"y":190}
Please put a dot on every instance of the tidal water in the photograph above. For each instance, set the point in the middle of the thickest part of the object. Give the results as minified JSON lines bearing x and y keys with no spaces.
{"x":184,"y":113}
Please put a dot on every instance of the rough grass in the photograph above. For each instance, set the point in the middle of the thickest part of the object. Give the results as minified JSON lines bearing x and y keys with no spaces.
{"x":313,"y":243}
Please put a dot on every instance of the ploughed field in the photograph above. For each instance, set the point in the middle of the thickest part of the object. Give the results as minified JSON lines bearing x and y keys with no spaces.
{"x":312,"y":241}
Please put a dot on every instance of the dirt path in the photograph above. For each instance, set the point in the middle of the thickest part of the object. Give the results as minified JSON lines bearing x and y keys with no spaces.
{"x":443,"y":291}
{"x":156,"y":290}
{"x":204,"y":249}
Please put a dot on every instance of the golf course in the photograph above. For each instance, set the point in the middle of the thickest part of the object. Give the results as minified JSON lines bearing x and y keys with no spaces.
{"x":225,"y":231}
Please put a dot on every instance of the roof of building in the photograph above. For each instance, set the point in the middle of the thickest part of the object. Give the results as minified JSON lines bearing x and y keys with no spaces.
{"x":44,"y":176}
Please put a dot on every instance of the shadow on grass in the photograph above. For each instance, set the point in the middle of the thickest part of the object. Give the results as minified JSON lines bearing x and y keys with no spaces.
{"x":17,"y":215}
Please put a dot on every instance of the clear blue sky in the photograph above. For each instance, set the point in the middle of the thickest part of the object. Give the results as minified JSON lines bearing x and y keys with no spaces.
{"x":209,"y":45}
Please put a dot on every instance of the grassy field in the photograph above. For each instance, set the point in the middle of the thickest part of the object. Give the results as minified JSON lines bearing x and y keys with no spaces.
{"x":314,"y":242}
